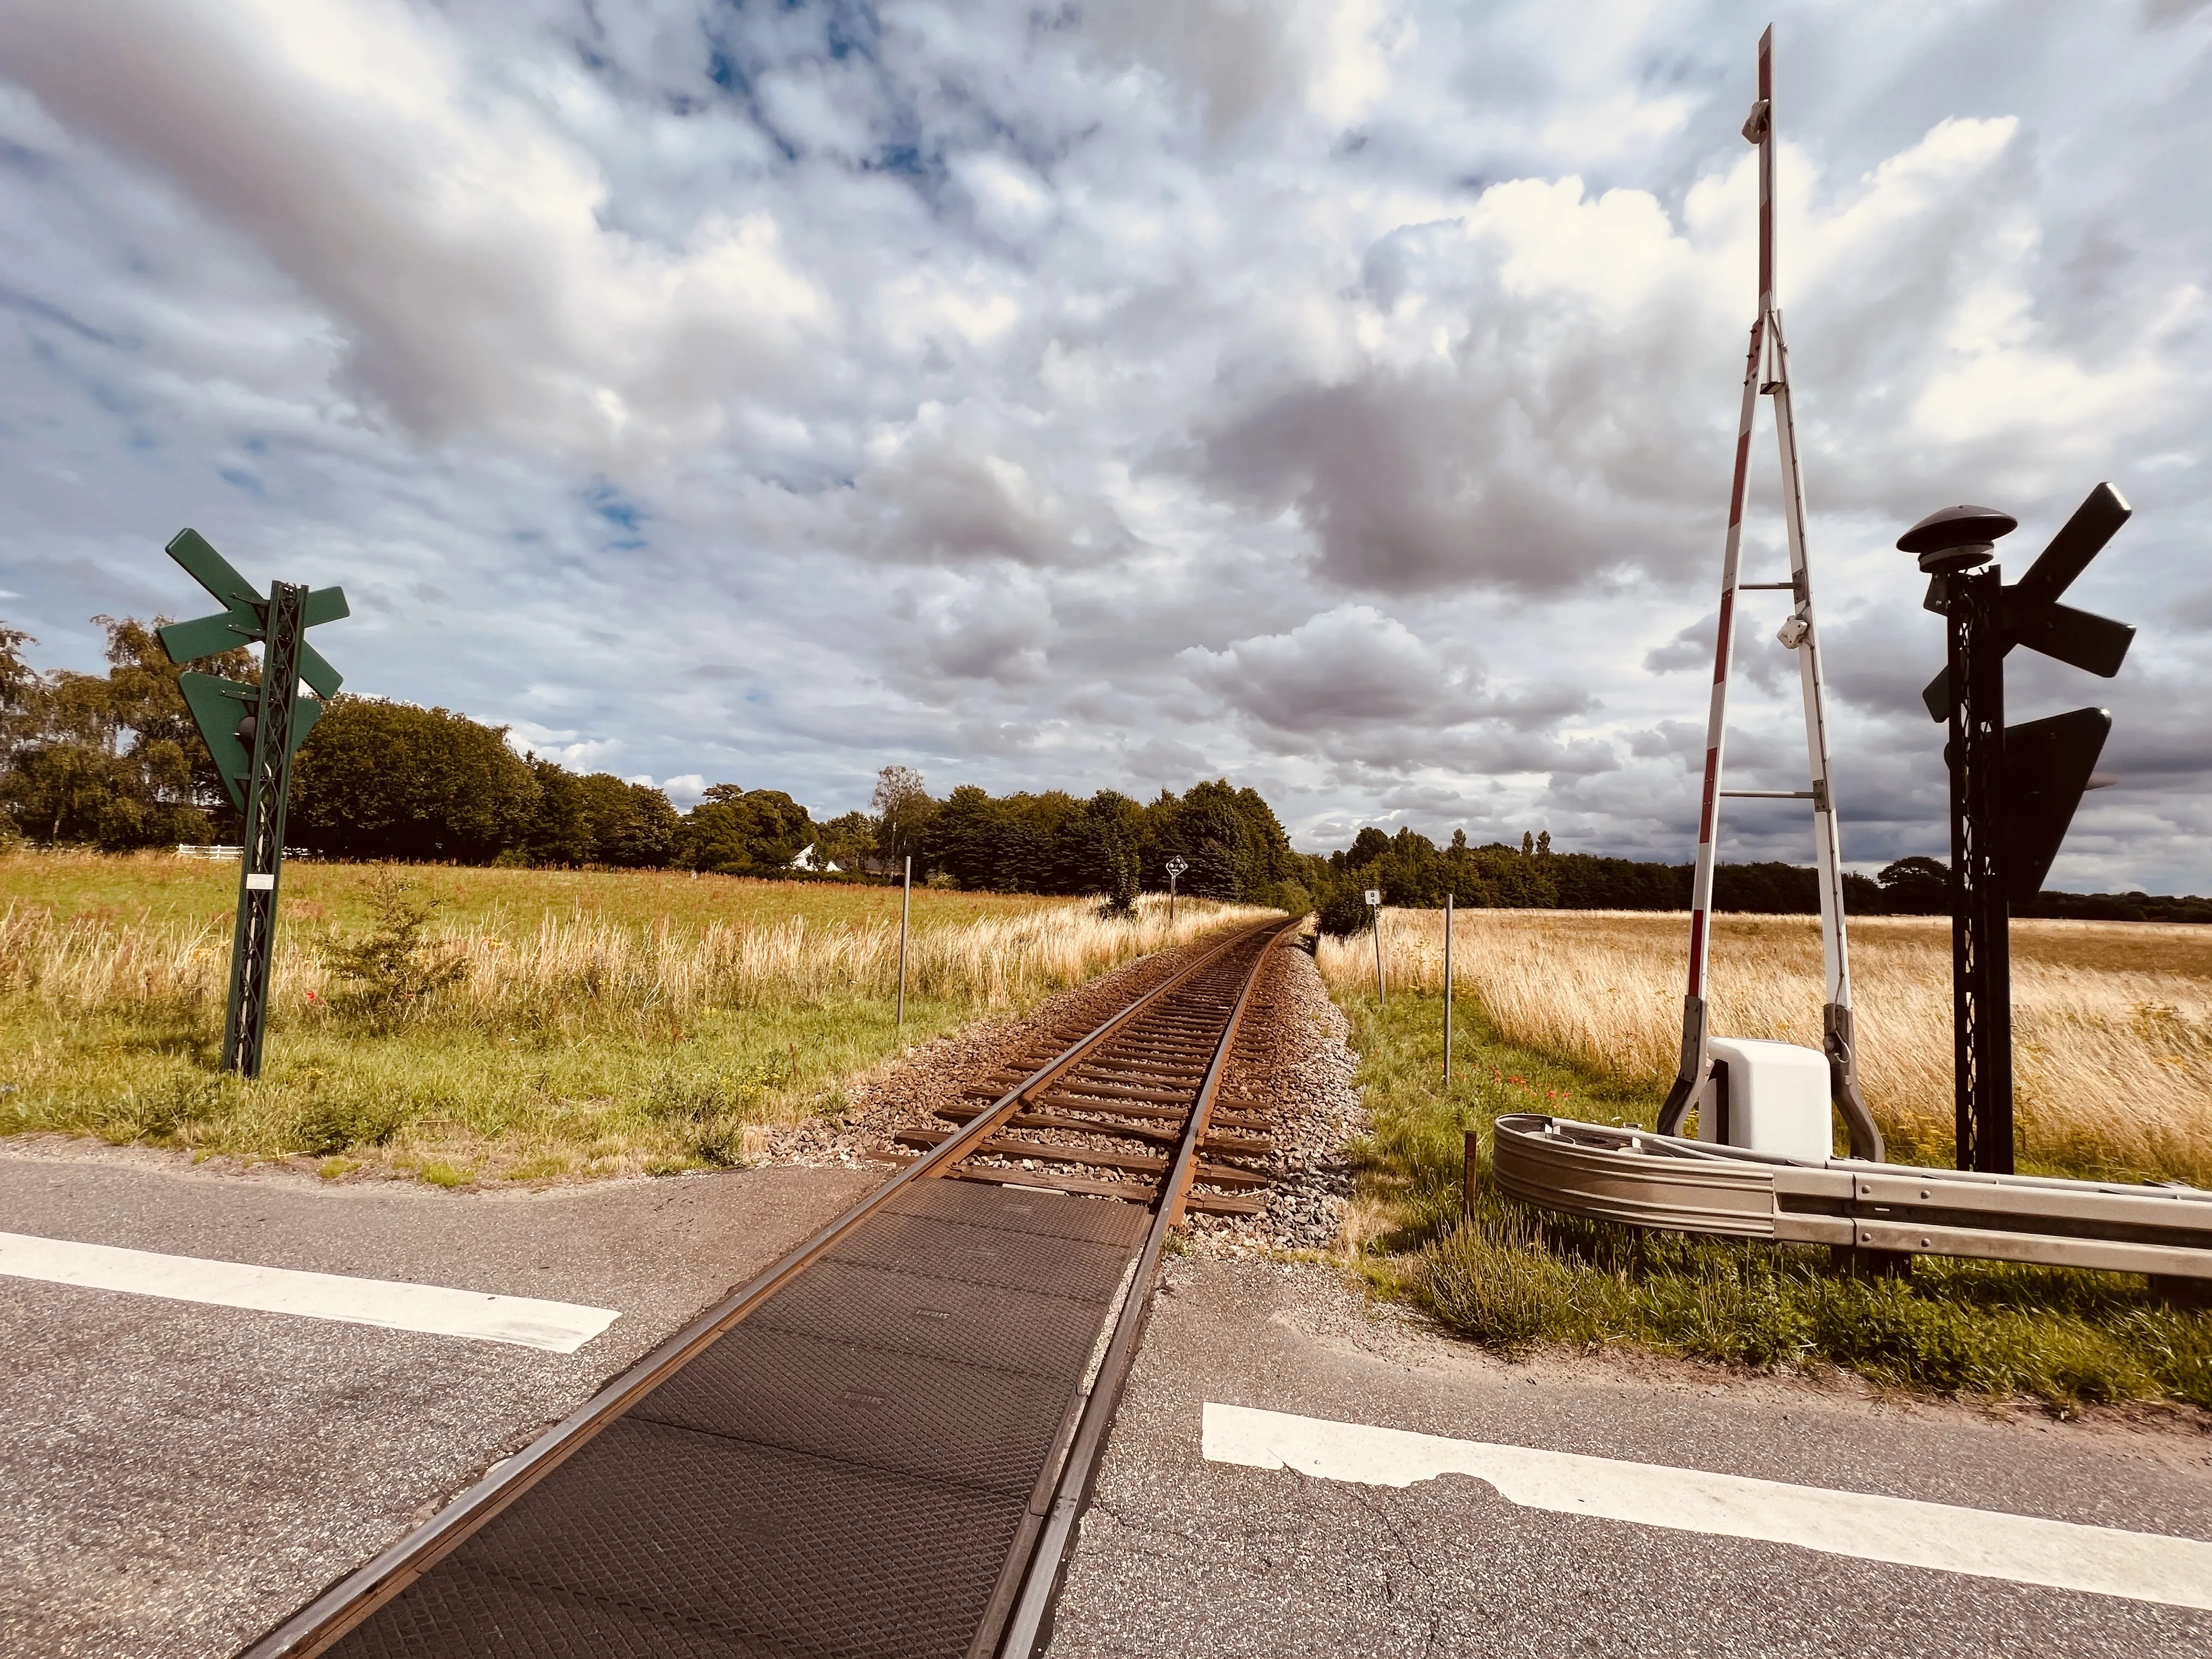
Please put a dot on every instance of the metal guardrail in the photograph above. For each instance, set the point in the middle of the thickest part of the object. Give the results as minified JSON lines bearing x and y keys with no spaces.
{"x":1641,"y":1179}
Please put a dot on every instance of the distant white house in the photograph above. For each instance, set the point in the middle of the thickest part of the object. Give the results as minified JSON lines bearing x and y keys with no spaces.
{"x":807,"y":860}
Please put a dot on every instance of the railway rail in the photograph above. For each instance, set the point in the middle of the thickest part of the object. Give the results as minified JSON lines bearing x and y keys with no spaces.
{"x":882,"y":1444}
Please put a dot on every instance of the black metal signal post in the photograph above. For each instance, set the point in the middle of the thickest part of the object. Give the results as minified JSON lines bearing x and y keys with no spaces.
{"x":252,"y":732}
{"x":1981,"y":920}
{"x":2013,"y":792}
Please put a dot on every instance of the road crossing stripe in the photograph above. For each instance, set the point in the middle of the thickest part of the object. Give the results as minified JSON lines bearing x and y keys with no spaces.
{"x":556,"y":1327}
{"x":2144,"y":1567}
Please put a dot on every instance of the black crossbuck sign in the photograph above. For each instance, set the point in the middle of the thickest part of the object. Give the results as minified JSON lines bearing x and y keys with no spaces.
{"x":2048,"y":763}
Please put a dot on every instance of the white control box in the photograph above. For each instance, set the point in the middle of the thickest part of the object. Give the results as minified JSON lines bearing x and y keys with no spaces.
{"x":1767,"y":1097}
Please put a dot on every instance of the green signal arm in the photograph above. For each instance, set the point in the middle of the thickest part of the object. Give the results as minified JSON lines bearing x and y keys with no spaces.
{"x":217,"y":706}
{"x":213,"y":572}
{"x":206,"y":637}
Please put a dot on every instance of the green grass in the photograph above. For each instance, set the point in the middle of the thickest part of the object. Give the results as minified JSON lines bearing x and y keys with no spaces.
{"x":1509,"y":1277}
{"x":505,"y":1099}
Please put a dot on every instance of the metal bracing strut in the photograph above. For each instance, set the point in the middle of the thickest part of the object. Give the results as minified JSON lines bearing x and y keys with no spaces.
{"x":1766,"y":370}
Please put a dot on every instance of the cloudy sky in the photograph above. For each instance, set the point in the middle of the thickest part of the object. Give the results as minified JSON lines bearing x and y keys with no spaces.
{"x":1335,"y":395}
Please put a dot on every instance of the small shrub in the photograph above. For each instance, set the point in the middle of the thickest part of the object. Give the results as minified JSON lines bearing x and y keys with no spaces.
{"x":394,"y":967}
{"x":327,"y":1127}
{"x":710,"y":1111}
{"x":1344,"y":913}
{"x":1492,"y":1280}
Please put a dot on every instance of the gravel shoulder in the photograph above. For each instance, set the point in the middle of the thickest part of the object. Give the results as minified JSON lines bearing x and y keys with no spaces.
{"x":1294,"y":1066}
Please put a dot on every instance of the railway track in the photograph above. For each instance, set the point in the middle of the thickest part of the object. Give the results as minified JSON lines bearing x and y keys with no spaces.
{"x":881,"y":1445}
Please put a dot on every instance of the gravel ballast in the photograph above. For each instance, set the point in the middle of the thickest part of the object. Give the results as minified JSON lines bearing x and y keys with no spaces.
{"x":1291,"y":1065}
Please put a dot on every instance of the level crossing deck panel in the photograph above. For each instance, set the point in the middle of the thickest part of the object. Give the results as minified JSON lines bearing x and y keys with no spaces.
{"x":845,"y":1472}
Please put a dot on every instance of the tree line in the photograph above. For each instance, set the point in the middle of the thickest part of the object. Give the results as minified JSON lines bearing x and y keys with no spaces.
{"x":113,"y":760}
{"x":1410,"y":870}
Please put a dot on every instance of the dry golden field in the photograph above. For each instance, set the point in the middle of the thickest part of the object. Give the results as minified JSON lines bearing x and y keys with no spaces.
{"x":2113,"y":1021}
{"x":538,"y":966}
{"x":534,"y":1025}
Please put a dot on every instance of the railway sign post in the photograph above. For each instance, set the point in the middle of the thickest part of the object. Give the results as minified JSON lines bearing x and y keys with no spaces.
{"x":1177,"y":865}
{"x":252,"y":732}
{"x":1448,"y":986}
{"x":1375,"y":918}
{"x":2012,"y":789}
{"x":906,"y":913}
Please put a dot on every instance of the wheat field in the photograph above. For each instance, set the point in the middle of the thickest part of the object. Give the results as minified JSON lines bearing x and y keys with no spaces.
{"x":2111,"y":1021}
{"x":575,"y":959}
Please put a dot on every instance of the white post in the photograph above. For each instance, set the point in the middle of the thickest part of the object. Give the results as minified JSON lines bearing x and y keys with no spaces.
{"x":1382,"y":997}
{"x":1448,"y":987}
{"x":906,"y":910}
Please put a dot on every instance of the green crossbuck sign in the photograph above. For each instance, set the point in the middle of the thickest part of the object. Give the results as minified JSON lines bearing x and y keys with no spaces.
{"x":253,"y":730}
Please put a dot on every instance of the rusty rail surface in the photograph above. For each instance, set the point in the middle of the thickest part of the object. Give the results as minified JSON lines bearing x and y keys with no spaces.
{"x":1130,"y":1102}
{"x":1113,"y":1116}
{"x":1611,"y":1173}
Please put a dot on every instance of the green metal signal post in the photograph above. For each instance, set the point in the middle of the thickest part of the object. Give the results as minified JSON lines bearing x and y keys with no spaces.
{"x":252,"y":732}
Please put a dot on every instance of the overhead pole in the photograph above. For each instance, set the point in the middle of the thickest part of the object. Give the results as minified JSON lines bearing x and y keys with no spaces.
{"x":1981,"y":919}
{"x":1766,"y":371}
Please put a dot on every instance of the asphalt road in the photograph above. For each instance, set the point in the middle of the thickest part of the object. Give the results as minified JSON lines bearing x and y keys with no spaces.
{"x":177,"y":1477}
{"x":1178,"y":1555}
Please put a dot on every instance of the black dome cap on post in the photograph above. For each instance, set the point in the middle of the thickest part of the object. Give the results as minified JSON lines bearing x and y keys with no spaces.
{"x":1957,"y":538}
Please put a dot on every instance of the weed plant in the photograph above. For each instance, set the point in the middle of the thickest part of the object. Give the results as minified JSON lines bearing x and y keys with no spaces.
{"x":1509,"y":1277}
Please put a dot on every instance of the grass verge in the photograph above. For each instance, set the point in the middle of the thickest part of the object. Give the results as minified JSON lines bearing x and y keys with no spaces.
{"x":1509,"y":1277}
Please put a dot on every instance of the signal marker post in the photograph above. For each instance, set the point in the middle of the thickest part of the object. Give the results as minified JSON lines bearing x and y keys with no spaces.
{"x":252,"y":732}
{"x":906,"y":910}
{"x":1375,"y":918}
{"x":1176,"y":866}
{"x":1448,"y":986}
{"x":2013,"y":790}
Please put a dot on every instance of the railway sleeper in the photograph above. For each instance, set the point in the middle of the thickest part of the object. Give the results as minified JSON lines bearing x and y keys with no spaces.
{"x":1130,"y":1108}
{"x":1127,"y":1192}
{"x":1233,"y":1145}
{"x":1045,"y":1151}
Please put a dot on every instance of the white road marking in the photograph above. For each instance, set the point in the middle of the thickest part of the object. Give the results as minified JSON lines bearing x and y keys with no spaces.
{"x":2144,"y":1567}
{"x":556,"y":1327}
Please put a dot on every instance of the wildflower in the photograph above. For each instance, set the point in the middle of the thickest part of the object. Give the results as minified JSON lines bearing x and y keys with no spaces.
{"x":311,"y":996}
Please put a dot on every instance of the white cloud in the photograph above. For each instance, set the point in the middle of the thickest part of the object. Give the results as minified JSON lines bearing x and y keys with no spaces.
{"x":1337,"y":394}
